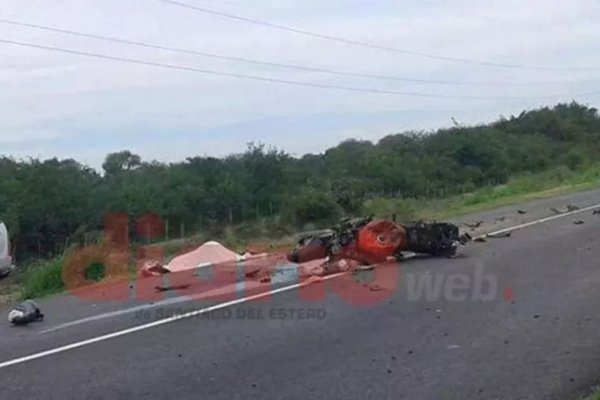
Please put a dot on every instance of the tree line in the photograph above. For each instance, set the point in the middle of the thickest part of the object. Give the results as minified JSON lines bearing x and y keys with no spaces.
{"x":48,"y":204}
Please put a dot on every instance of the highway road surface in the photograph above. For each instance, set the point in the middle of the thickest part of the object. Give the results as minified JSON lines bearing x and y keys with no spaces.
{"x":513,"y":318}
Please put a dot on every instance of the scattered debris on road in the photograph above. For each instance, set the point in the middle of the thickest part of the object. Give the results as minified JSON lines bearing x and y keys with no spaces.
{"x":563,"y":210}
{"x":154,"y":268}
{"x":500,"y":235}
{"x":474,"y":225}
{"x":161,"y":289}
{"x":25,"y":313}
{"x":480,"y":239}
{"x":596,"y":212}
{"x":465,"y":238}
{"x":501,"y":219}
{"x":578,"y":222}
{"x":375,"y":288}
{"x":522,"y":212}
{"x":253,"y":274}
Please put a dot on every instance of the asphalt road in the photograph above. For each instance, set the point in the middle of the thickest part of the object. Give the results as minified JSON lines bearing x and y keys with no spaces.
{"x":514,"y":318}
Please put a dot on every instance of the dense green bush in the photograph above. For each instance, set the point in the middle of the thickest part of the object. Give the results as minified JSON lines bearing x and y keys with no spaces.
{"x":42,"y":278}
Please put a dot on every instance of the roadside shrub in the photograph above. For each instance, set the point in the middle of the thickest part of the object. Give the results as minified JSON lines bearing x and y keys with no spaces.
{"x":312,"y":205}
{"x":42,"y":278}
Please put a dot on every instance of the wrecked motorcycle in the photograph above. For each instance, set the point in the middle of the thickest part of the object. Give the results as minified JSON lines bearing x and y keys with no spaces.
{"x":371,"y":241}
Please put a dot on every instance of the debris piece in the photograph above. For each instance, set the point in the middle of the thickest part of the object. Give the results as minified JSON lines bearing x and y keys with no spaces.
{"x":153,"y":268}
{"x":522,"y":212}
{"x":501,"y":219}
{"x":161,"y":289}
{"x":465,"y":238}
{"x":365,"y":268}
{"x":578,"y":222}
{"x":474,"y":225}
{"x":6,"y":269}
{"x":596,"y":212}
{"x":563,"y":210}
{"x":252,"y":274}
{"x":25,"y":313}
{"x":500,"y":235}
{"x":265,"y":279}
{"x":480,"y":239}
{"x":375,"y":288}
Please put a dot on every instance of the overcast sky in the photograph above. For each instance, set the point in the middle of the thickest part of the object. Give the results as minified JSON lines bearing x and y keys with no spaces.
{"x":54,"y":104}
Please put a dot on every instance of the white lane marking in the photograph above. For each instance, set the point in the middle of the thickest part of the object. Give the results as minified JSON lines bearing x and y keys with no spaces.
{"x":236,"y":302}
{"x":543,"y":220}
{"x":165,"y":321}
{"x":239,"y":287}
{"x":118,"y":313}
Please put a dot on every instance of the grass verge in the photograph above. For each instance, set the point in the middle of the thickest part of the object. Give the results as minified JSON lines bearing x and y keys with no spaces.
{"x":518,"y":189}
{"x":42,"y":278}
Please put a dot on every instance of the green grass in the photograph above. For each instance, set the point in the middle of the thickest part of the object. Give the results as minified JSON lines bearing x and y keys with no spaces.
{"x":518,"y":189}
{"x":42,"y":278}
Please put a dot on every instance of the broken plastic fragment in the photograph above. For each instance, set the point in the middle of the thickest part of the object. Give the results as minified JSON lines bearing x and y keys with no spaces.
{"x":500,"y":235}
{"x":563,"y":210}
{"x":161,"y":289}
{"x":154,"y":268}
